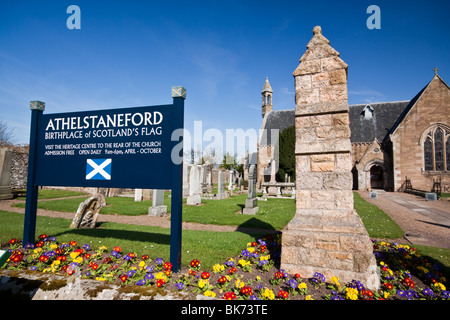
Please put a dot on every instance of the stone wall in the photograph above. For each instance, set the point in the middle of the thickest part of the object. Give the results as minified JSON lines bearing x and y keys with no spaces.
{"x":432,"y":108}
{"x":19,"y":169}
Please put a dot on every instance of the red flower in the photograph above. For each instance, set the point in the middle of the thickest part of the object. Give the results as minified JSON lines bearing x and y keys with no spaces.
{"x":388,"y":285}
{"x":160,"y":282}
{"x":167,"y":272}
{"x":124,"y":278}
{"x":43,"y":236}
{"x":192,"y":272}
{"x":167,"y":266}
{"x":39,"y":244}
{"x":283,"y":294}
{"x":296,"y":276}
{"x":229,"y":296}
{"x":43,"y":258}
{"x":87,"y":256}
{"x":232,"y":270}
{"x":93,"y":265}
{"x":107,"y":260}
{"x":205,"y":275}
{"x":195,"y":263}
{"x":117,"y":249}
{"x":131,"y":255}
{"x":278,"y":275}
{"x":59,"y":251}
{"x":73,"y":243}
{"x":61,"y":258}
{"x":145,"y":257}
{"x":246,"y":291}
{"x":222,"y":280}
{"x":13,"y":241}
{"x":16,"y":257}
{"x":254,"y":244}
{"x":263,"y":248}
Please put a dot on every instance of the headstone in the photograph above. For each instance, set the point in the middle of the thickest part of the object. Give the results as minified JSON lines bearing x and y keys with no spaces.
{"x":147,"y":194}
{"x":231,"y":182}
{"x":202,"y":180}
{"x":158,"y":209}
{"x":87,"y":213}
{"x":5,"y":174}
{"x":430,"y":196}
{"x":137,"y":194}
{"x":194,"y":183}
{"x":185,"y":180}
{"x":373,"y":194}
{"x":220,"y":192}
{"x":326,"y":234}
{"x":209,"y":184}
{"x":251,"y":203}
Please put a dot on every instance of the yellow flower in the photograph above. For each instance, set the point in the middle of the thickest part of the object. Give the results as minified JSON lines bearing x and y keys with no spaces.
{"x":258,"y":278}
{"x":335,"y":280}
{"x":244,"y":263}
{"x":209,"y":293}
{"x":141,"y":265}
{"x":53,"y":246}
{"x":202,"y":283}
{"x":239,"y":284}
{"x":99,"y":279}
{"x":218,"y":267}
{"x":160,"y":275}
{"x":262,"y":258}
{"x":73,"y":255}
{"x":440,"y":285}
{"x":251,"y":249}
{"x":386,"y":294}
{"x":308,"y":297}
{"x":302,"y":285}
{"x":268,"y":294}
{"x":78,"y":260}
{"x":352,"y":294}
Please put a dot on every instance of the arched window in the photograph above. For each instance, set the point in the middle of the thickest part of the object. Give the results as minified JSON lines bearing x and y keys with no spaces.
{"x":436,"y":149}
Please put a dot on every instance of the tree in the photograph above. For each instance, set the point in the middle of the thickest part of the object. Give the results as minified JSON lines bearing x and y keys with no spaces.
{"x":286,"y":155}
{"x":6,"y":134}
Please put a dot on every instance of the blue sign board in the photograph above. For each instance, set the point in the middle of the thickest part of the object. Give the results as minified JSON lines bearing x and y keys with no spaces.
{"x":139,"y":147}
{"x":118,"y":148}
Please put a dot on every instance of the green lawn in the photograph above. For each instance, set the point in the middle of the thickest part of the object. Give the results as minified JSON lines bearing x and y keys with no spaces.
{"x":273,"y":214}
{"x":378,"y":224}
{"x":209,"y":247}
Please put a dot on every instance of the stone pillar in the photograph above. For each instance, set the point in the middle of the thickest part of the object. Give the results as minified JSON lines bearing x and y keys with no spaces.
{"x":5,"y":174}
{"x":194,"y":187}
{"x":251,"y":203}
{"x":158,"y":208}
{"x":326,"y":234}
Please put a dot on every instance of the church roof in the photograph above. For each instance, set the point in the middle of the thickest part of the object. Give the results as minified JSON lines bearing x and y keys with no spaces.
{"x":267,"y":87}
{"x":365,"y":128}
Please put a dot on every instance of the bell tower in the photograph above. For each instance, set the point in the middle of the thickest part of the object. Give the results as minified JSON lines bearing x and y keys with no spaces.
{"x":266,"y":98}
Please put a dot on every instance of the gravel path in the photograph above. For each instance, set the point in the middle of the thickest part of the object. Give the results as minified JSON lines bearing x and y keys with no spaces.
{"x":424,"y":222}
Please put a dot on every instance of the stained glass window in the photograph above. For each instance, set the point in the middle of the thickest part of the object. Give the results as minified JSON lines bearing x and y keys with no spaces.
{"x":428,"y":153}
{"x":436,"y":150}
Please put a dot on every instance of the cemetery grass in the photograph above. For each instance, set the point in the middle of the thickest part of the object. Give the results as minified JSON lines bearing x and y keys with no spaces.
{"x":273,"y":214}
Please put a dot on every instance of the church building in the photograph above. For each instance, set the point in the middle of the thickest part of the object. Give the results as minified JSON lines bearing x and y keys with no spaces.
{"x":391,"y":141}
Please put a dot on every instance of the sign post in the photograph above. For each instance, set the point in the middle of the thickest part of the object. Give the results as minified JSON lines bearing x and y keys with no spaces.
{"x":139,"y":147}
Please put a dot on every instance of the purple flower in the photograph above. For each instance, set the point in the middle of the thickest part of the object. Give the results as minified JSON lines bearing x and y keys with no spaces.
{"x":140,"y":282}
{"x":179,"y":285}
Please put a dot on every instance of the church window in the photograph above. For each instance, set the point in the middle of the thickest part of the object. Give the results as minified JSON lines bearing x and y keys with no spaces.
{"x":436,"y":148}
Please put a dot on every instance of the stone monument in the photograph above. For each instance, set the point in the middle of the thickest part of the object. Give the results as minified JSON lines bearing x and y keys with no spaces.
{"x":194,"y":187}
{"x":220,"y":189}
{"x":326,"y":234}
{"x":251,"y":203}
{"x":138,"y":195}
{"x":87,"y":213}
{"x":5,"y":174}
{"x":158,"y":209}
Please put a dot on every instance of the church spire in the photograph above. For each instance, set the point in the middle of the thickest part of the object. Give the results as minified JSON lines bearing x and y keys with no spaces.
{"x":266,"y":98}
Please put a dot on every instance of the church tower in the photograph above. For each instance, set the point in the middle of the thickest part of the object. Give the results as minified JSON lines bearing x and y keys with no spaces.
{"x":266,"y":98}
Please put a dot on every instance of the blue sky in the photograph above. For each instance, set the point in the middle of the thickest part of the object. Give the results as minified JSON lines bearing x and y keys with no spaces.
{"x":130,"y":53}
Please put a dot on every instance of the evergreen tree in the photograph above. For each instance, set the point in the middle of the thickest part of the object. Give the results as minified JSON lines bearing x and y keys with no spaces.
{"x":286,"y":154}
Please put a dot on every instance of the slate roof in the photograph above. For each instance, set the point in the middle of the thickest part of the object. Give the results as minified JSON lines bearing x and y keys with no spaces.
{"x":383,"y":117}
{"x":363,"y":129}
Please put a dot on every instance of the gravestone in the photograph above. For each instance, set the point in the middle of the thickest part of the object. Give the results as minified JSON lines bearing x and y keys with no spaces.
{"x":220,"y":189}
{"x":326,"y":234}
{"x":373,"y":194}
{"x":87,"y":213}
{"x":251,"y":203}
{"x":430,"y":196}
{"x":158,"y":209}
{"x":5,"y":174}
{"x":194,"y":187}
{"x":137,"y":194}
{"x":185,"y":180}
{"x":231,"y":182}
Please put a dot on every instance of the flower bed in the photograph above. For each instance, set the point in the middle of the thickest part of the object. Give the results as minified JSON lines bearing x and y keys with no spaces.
{"x":253,"y":275}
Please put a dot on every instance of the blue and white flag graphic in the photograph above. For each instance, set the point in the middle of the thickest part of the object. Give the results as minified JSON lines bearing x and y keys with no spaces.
{"x":98,"y":169}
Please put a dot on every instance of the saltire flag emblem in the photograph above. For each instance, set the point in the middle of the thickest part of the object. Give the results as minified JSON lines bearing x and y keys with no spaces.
{"x":98,"y":169}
